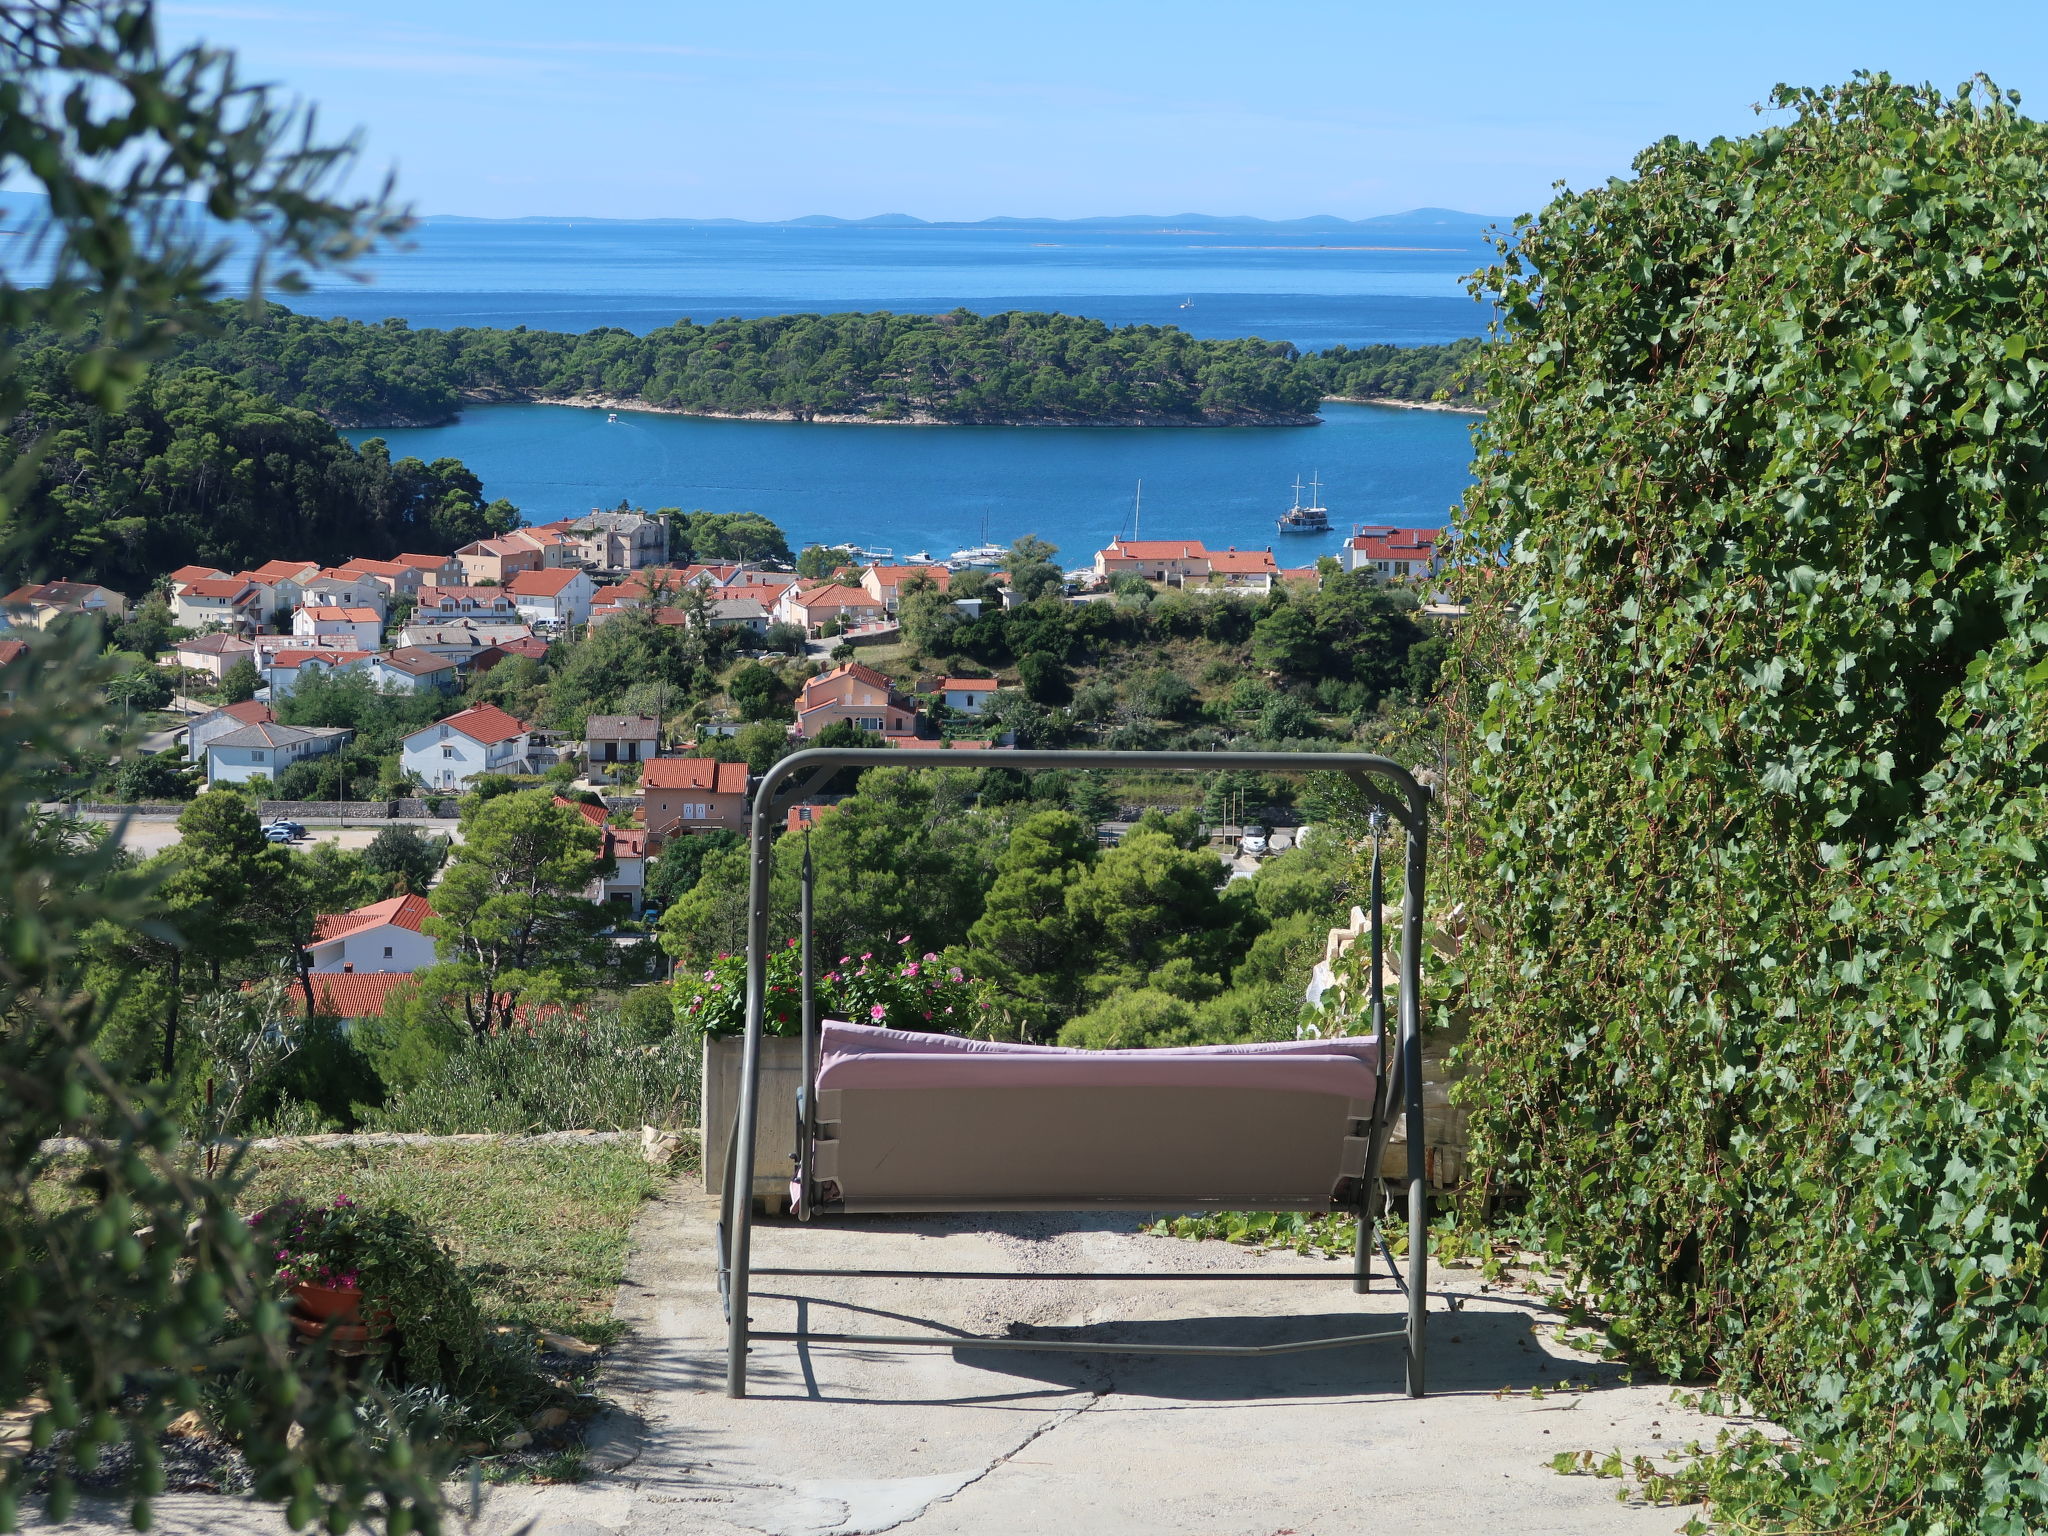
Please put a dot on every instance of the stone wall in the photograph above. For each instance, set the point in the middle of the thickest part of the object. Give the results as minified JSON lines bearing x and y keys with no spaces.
{"x":299,"y":810}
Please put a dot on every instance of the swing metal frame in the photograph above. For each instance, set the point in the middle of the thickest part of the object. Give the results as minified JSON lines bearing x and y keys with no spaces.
{"x":1391,"y":790}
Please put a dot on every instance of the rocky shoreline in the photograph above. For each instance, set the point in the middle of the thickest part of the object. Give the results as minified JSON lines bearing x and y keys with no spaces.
{"x":1408,"y":405}
{"x":910,"y":419}
{"x":597,"y":402}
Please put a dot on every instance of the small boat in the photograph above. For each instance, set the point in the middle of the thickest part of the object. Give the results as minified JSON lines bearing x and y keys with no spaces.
{"x":614,"y":416}
{"x":980,"y":554}
{"x":1313,"y":518}
{"x":1187,"y":303}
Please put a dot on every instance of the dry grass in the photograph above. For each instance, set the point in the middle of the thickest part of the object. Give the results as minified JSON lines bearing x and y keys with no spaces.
{"x":544,"y":1230}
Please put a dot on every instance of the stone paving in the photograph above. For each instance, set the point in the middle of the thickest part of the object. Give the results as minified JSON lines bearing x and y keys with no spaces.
{"x":843,"y":1441}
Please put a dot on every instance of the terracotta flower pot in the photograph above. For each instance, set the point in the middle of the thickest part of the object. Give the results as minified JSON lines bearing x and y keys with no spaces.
{"x":336,"y":1316}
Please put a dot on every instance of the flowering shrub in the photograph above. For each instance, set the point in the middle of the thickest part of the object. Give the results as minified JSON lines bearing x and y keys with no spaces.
{"x":401,"y":1271}
{"x":896,"y":992}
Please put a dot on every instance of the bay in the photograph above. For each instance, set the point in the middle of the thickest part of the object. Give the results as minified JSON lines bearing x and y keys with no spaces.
{"x":938,"y":488}
{"x":941,"y":488}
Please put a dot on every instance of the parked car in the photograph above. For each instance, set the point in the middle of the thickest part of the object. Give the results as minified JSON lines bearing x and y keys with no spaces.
{"x":290,"y":830}
{"x":1253,"y":841}
{"x":276,"y":835}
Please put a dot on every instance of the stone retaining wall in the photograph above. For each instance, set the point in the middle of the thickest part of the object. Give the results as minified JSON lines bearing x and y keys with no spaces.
{"x":323,"y":810}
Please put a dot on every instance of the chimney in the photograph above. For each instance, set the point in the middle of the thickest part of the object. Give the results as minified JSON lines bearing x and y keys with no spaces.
{"x":348,"y":967}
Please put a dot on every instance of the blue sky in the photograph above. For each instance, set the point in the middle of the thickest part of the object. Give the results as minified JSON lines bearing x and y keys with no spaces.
{"x":953,"y":109}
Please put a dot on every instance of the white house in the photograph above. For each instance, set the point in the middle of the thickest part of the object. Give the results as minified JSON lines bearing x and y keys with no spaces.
{"x":1392,"y":552}
{"x":558,"y":596}
{"x":286,"y":668}
{"x":220,"y":722}
{"x":968,"y":695}
{"x":394,"y":578}
{"x":361,"y":628}
{"x":482,"y":739}
{"x":265,"y":751}
{"x":409,"y":670}
{"x":343,"y":589}
{"x":620,"y":739}
{"x":232,"y":603}
{"x":439,"y":603}
{"x":384,"y":936}
{"x":212,"y":654}
{"x":461,"y":639}
{"x":739,"y":613}
{"x":626,"y":850}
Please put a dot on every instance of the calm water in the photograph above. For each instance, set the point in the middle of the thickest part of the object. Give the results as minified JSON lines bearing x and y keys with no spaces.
{"x":1402,"y":285}
{"x":934,"y":488}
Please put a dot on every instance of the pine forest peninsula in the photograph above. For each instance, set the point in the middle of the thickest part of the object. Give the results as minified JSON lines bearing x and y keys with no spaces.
{"x":959,"y":367}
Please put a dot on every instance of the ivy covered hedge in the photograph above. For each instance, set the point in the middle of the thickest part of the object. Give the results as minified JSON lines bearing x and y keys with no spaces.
{"x":1752,"y":809}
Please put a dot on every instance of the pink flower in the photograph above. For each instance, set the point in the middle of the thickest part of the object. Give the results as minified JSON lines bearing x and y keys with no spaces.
{"x":904,"y":940}
{"x":955,"y":974}
{"x":910,"y":970}
{"x":929,"y":957}
{"x":711,"y":975}
{"x":878,"y":1011}
{"x":869,"y":955}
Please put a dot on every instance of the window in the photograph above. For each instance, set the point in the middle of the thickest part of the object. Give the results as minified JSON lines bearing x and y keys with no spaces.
{"x":447,"y":751}
{"x":387,"y":951}
{"x":256,"y":757}
{"x":868,"y":722}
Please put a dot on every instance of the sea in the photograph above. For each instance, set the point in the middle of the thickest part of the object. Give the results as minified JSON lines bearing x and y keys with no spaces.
{"x":928,"y":489}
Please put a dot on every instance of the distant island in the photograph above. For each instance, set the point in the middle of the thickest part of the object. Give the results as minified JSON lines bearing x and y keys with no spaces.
{"x":1017,"y":368}
{"x":1419,"y":219}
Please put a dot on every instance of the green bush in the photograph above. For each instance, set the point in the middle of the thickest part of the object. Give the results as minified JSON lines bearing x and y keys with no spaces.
{"x":595,"y":1070}
{"x":1755,"y":792}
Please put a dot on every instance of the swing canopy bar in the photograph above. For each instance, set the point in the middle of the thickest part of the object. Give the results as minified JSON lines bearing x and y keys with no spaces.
{"x":891,"y":1121}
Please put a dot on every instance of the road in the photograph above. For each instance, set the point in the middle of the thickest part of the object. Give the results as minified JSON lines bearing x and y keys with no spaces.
{"x":146,"y":836}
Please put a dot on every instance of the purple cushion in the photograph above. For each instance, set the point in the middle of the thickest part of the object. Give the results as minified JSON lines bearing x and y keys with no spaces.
{"x":862,"y":1056}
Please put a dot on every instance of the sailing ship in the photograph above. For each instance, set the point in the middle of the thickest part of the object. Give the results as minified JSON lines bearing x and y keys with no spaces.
{"x":1313,"y":518}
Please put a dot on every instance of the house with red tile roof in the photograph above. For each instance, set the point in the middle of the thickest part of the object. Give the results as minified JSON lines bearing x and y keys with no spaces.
{"x":812,"y":606}
{"x":968,"y":695}
{"x":1392,"y":553}
{"x":448,"y":601}
{"x":229,"y":717}
{"x":343,"y":588}
{"x":558,"y":596}
{"x":393,"y":577}
{"x":859,"y":695}
{"x":435,"y":570}
{"x":884,"y":583}
{"x":185,"y":574}
{"x":497,"y":560}
{"x":286,"y":669}
{"x":623,"y":851}
{"x":481,"y":739}
{"x":693,"y":794}
{"x":530,"y":646}
{"x":361,"y":628}
{"x":384,"y":936}
{"x":1243,"y":570}
{"x":233,"y":603}
{"x":1168,"y":560}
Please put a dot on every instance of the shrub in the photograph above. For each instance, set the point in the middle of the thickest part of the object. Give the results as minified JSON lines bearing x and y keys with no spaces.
{"x":1756,"y":796}
{"x":596,"y":1070}
{"x":402,"y":1272}
{"x":895,"y":991}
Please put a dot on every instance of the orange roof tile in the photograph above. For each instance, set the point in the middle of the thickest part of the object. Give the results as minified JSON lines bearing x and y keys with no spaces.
{"x":695,"y":773}
{"x":396,"y":912}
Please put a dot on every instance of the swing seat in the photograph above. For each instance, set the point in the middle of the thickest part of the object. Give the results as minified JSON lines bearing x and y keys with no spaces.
{"x":910,"y":1122}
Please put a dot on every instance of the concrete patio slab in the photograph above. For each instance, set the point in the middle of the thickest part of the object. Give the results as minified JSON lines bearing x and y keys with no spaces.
{"x":840,"y":1440}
